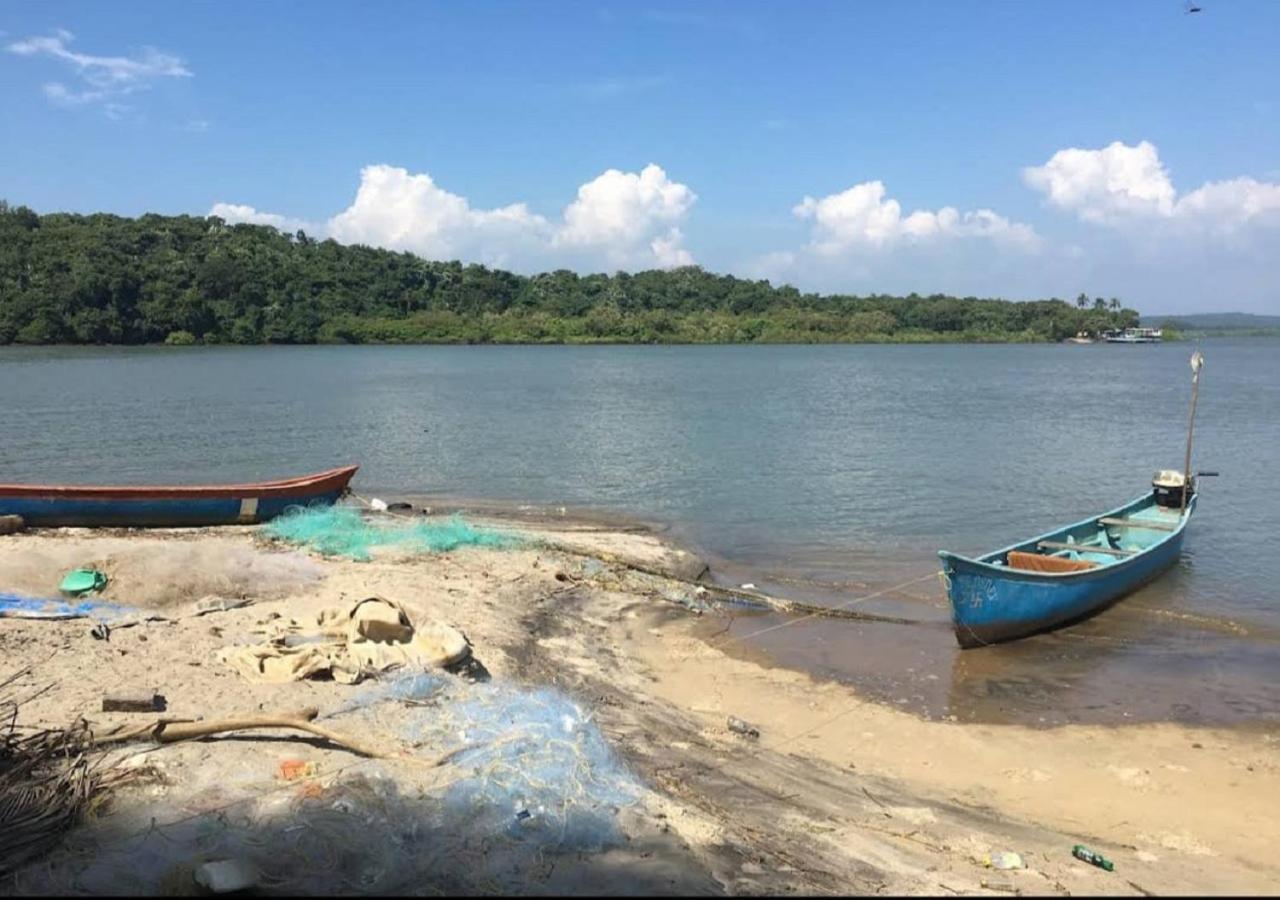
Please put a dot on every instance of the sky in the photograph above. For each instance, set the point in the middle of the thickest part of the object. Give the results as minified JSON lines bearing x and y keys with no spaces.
{"x":1013,"y":149}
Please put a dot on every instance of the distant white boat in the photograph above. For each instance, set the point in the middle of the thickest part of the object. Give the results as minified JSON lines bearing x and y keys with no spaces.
{"x":1133,"y":336}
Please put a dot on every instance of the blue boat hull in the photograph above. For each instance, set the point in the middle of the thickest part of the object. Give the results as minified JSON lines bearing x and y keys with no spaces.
{"x":51,"y":506}
{"x":992,"y":603}
{"x":152,"y":513}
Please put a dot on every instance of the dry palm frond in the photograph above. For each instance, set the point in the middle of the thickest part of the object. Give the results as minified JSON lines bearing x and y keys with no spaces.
{"x":46,"y":781}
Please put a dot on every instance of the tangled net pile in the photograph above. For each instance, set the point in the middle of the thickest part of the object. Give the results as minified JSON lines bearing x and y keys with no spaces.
{"x":531,"y":780}
{"x":343,"y":531}
{"x":532,"y":767}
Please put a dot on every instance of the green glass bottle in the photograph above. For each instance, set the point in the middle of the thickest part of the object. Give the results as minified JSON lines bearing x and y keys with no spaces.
{"x":1080,"y":851}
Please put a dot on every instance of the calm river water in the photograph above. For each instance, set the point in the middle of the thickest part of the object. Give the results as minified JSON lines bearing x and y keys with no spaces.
{"x":823,"y":472}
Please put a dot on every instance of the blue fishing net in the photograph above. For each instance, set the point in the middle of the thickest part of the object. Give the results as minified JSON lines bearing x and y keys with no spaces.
{"x":537,"y":773}
{"x":531,"y":780}
{"x":343,"y":531}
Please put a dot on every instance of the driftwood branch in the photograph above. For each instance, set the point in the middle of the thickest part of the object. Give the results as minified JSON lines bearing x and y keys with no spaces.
{"x":171,"y":731}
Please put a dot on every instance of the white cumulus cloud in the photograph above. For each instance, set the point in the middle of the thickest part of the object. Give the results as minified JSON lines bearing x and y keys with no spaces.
{"x":667,"y":251}
{"x":863,"y":218}
{"x":618,"y":213}
{"x":403,"y":211}
{"x":236,"y":213}
{"x":1128,"y":186}
{"x":102,"y":78}
{"x":1105,"y":185}
{"x":1228,"y":205}
{"x":619,"y":220}
{"x":862,"y":239}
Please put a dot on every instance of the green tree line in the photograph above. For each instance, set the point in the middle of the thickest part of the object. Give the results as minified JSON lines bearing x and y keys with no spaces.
{"x":104,"y":279}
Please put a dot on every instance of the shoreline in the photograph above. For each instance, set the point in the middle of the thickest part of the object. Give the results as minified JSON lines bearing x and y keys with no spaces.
{"x":941,"y":679}
{"x":838,"y":794}
{"x":942,"y":682}
{"x":930,"y":338}
{"x":938,"y":339}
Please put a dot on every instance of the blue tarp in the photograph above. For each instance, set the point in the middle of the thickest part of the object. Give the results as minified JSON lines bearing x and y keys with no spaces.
{"x":16,"y":606}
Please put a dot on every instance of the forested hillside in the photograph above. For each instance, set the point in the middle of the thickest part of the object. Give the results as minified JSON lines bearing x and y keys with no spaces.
{"x":104,"y":279}
{"x":1230,"y":323}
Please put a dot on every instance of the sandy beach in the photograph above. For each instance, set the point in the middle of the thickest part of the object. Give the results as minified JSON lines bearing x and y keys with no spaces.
{"x":836,"y":794}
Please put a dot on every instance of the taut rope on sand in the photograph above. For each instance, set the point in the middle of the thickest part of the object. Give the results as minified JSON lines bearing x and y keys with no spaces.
{"x":778,"y":604}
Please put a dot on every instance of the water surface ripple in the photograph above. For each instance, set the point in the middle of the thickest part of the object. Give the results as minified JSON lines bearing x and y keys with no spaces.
{"x":823,"y":472}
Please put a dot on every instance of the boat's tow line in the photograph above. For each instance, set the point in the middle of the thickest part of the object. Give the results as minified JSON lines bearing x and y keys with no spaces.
{"x":777,"y":604}
{"x":840,"y":610}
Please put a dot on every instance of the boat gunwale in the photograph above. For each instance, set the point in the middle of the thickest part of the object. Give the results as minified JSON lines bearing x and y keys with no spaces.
{"x":296,"y":485}
{"x":1005,"y":572}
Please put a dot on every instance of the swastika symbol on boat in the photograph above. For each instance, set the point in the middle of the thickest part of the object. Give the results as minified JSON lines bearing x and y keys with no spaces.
{"x":981,"y":589}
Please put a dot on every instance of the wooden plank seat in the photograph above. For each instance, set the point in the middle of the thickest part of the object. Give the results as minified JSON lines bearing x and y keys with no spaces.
{"x":1037,"y":562}
{"x":1084,"y":548}
{"x":1138,"y":523}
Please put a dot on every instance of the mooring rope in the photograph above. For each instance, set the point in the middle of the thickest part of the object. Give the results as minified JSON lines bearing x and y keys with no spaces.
{"x":812,"y":610}
{"x":778,"y":604}
{"x":816,"y":610}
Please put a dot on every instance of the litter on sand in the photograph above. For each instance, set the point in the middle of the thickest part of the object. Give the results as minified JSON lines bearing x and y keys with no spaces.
{"x":225,"y":876}
{"x":1005,"y":859}
{"x":79,"y":582}
{"x":293,"y":769}
{"x":367,"y":637}
{"x":1094,"y":858}
{"x":343,"y":531}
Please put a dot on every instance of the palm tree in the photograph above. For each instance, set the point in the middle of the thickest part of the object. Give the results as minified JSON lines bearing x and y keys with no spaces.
{"x":1082,"y":301}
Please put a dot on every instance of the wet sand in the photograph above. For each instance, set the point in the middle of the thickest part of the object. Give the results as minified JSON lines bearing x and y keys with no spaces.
{"x":1145,"y":659}
{"x":840,"y":793}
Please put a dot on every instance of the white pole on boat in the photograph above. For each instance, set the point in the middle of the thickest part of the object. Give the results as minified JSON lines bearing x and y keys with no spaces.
{"x":1197,"y":363}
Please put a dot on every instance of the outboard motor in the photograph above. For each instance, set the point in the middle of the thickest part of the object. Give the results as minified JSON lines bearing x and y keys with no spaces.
{"x":1169,"y":485}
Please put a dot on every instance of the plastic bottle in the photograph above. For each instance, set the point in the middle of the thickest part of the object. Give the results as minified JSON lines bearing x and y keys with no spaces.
{"x":1081,"y":852}
{"x":1005,"y":859}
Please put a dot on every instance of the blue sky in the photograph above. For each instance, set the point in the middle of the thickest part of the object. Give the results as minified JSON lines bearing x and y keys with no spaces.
{"x":1012,"y":149}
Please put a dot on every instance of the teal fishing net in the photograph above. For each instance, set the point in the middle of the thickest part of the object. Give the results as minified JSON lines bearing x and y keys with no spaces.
{"x":343,"y":531}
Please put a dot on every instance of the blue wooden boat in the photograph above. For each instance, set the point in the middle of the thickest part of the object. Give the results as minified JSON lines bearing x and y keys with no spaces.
{"x":1066,"y":574}
{"x":179,"y":506}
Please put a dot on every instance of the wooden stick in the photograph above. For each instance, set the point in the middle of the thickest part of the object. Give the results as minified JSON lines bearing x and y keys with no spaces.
{"x":169,"y":731}
{"x":1084,"y":548}
{"x":1197,"y":361}
{"x":1138,"y":523}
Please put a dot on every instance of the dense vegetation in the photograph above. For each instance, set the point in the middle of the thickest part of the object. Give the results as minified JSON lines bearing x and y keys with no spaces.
{"x":1217,"y":325}
{"x":104,"y":279}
